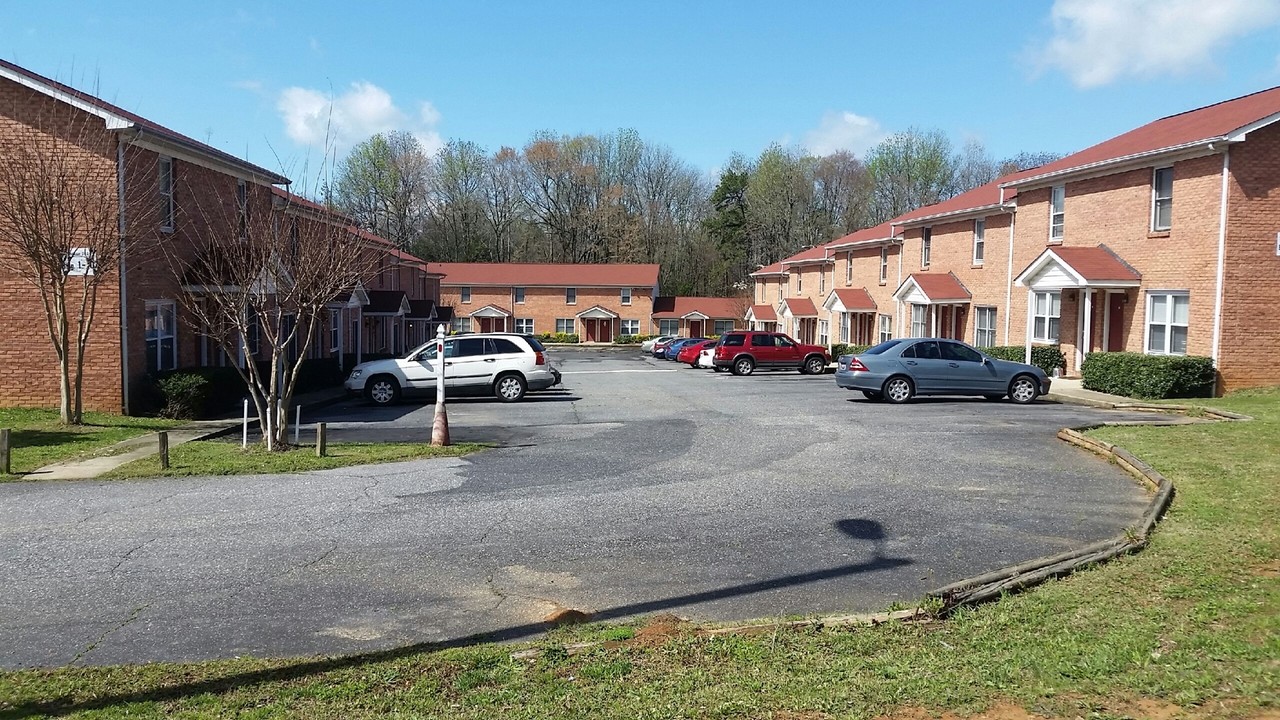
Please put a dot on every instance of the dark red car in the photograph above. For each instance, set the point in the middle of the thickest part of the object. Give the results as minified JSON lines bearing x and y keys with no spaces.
{"x":689,"y":353}
{"x":742,"y":351}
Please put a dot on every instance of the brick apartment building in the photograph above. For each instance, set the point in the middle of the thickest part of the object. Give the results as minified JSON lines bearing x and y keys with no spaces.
{"x":165,"y":180}
{"x":1162,"y":240}
{"x":595,"y":302}
{"x":697,"y":316}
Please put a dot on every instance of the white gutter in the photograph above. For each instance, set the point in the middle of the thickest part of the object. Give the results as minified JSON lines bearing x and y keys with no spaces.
{"x":1109,"y":162}
{"x":1008,"y":280}
{"x":1222,"y":247}
{"x":980,"y":210}
{"x":124,"y":287}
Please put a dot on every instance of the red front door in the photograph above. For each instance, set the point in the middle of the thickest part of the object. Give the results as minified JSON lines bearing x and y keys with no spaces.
{"x":1115,"y":323}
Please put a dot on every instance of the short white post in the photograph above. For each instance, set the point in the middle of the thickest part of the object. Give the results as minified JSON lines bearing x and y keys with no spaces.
{"x":440,"y":426}
{"x":297,"y":423}
{"x":244,"y":428}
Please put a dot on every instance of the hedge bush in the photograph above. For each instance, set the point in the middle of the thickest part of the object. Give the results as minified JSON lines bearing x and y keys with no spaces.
{"x":631,"y":339}
{"x":1046,"y":357}
{"x":1149,"y":376}
{"x":839,"y":349}
{"x":183,"y":395}
{"x":560,"y":338}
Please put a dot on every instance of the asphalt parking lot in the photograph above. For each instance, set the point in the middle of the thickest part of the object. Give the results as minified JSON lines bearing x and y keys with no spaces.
{"x":640,"y":487}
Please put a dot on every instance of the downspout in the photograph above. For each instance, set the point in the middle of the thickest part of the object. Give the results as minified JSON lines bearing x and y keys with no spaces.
{"x":897,"y":303}
{"x":1222,"y":248}
{"x":124,"y":294}
{"x":1008,"y":280}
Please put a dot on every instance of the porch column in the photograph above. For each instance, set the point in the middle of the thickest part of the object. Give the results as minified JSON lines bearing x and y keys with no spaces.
{"x":1087,"y":345}
{"x":341,"y":321}
{"x":360,"y":338}
{"x":1082,"y":326}
{"x":1031,"y":310}
{"x":933,"y":317}
{"x":1106,"y":320}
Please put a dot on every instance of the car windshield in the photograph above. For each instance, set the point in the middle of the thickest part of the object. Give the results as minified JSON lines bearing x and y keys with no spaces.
{"x":887,"y":344}
{"x":429,"y":347}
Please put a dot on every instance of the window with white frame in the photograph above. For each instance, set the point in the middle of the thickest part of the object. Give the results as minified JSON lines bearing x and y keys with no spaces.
{"x":167,"y":208}
{"x":565,"y":325}
{"x":759,"y":292}
{"x":519,"y":293}
{"x":919,"y":320}
{"x":1046,"y":312}
{"x":884,"y":264}
{"x":886,"y":327}
{"x":524,"y":326}
{"x":1167,"y":316}
{"x":466,"y":294}
{"x":723,"y":326}
{"x":162,"y":345}
{"x":822,"y":280}
{"x":848,"y":268}
{"x":926,"y":247}
{"x":799,"y":281}
{"x":630,"y":327}
{"x":1162,"y":199}
{"x":570,"y":296}
{"x":669,"y":326}
{"x":845,"y":327}
{"x":242,"y":207}
{"x":626,"y":296}
{"x":460,"y":324}
{"x":1057,"y":215}
{"x":979,"y":240}
{"x":824,"y":332}
{"x":984,"y":328}
{"x":335,"y":324}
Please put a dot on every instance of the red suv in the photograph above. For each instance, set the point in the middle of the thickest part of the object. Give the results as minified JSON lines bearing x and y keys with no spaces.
{"x":742,"y":351}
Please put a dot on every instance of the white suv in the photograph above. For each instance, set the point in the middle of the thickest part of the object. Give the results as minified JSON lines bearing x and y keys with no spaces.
{"x":504,"y":364}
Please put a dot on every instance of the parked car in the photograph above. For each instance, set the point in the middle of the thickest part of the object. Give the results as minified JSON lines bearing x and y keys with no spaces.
{"x":707,"y":359}
{"x":504,"y":364}
{"x":898,"y":370}
{"x":742,"y":351}
{"x":661,"y":347}
{"x":647,"y":345}
{"x":673,"y":350}
{"x":689,"y":351}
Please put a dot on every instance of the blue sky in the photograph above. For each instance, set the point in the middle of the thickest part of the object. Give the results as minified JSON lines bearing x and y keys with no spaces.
{"x":704,"y":78}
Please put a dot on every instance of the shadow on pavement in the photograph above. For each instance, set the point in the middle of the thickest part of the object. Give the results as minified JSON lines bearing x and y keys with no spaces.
{"x":859,"y":529}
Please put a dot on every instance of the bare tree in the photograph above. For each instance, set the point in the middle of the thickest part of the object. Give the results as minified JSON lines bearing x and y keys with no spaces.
{"x":503,"y":201}
{"x":257,"y":284}
{"x":59,"y":229}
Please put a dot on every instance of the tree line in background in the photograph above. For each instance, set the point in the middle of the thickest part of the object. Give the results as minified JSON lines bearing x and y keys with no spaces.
{"x":616,"y":198}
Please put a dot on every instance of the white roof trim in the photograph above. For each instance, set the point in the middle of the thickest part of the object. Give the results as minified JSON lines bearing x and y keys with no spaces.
{"x":864,"y":243}
{"x":597,"y":312}
{"x":1117,"y":163}
{"x":905,"y":289}
{"x":954,"y":215}
{"x":113,"y":121}
{"x":695,"y":315}
{"x":490,"y":311}
{"x":1049,"y":257}
{"x":1238,"y":135}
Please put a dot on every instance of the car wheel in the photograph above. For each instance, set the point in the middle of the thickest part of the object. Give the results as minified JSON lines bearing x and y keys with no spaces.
{"x":743,"y":366}
{"x":994,"y":398}
{"x":898,"y":389}
{"x":509,"y":388}
{"x":1023,"y":389}
{"x":814,"y":365}
{"x":383,"y":390}
{"x":872,"y":395}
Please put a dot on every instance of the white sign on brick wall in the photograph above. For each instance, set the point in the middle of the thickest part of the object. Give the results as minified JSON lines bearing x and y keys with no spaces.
{"x":1278,"y":244}
{"x":80,"y":262}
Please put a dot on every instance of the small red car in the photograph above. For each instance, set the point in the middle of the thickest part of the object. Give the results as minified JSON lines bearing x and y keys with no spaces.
{"x":689,"y":353}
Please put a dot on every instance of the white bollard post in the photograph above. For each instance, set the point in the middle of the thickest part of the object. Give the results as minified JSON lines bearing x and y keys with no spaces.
{"x":244,"y":427}
{"x":297,"y":423}
{"x":440,"y":425}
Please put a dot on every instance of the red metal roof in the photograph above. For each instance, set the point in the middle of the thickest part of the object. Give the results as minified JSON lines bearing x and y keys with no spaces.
{"x":939,"y":287}
{"x":1212,"y":122}
{"x":716,"y":308}
{"x":546,"y":274}
{"x":983,"y":196}
{"x":814,"y":254}
{"x":143,"y":123}
{"x":855,"y":299}
{"x":765,"y":313}
{"x":801,"y":307}
{"x":385,"y":301}
{"x":774,"y":269}
{"x":883,"y":231}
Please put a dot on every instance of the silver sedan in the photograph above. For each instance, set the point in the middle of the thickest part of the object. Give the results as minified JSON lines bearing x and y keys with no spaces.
{"x":898,"y":370}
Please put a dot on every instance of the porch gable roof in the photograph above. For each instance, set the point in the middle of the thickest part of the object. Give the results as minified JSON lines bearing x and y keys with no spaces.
{"x":850,"y":300}
{"x":761,"y":313}
{"x":798,"y":307}
{"x":1078,"y":267}
{"x":933,"y":289}
{"x":491,"y":311}
{"x":598,"y":312}
{"x":387,"y":302}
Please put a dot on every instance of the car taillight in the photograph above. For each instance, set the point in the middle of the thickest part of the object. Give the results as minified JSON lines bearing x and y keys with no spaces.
{"x":539,"y":358}
{"x":855,"y":365}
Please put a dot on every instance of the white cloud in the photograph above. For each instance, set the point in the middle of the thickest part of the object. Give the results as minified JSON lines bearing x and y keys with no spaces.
{"x":843,"y":131}
{"x":1096,"y":42}
{"x":336,"y":123}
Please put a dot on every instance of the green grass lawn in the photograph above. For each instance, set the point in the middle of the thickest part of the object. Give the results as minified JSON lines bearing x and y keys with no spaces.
{"x":39,"y":438}
{"x":1193,"y":621}
{"x":215,"y":457}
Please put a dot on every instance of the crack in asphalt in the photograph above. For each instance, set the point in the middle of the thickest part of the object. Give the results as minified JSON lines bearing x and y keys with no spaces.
{"x":106,"y":633}
{"x":485,"y":536}
{"x":129,"y":553}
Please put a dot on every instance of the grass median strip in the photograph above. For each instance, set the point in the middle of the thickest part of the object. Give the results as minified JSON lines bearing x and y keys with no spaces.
{"x":40,"y":439}
{"x":217,"y":457}
{"x":1191,"y":625}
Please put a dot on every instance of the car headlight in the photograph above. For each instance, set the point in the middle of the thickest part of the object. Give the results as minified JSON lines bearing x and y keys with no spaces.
{"x":355,"y":374}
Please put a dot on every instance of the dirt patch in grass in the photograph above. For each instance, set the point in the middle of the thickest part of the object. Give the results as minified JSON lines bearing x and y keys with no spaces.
{"x":658,"y":630}
{"x":1270,"y":569}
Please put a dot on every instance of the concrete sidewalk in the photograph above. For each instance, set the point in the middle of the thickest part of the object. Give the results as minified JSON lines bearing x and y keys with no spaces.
{"x":136,"y":448}
{"x":1071,"y":390}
